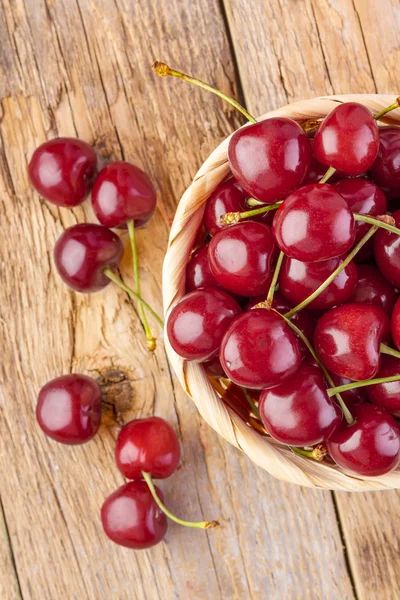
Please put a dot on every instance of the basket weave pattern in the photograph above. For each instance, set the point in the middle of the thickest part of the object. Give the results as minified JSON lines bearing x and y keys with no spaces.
{"x":272,"y":456}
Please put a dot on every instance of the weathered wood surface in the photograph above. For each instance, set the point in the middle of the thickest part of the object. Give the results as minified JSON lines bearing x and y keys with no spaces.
{"x":82,"y":69}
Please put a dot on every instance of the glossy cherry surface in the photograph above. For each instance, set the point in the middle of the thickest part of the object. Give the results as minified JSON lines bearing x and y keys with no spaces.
{"x":259,"y":350}
{"x":149,"y":445}
{"x":227,"y":197}
{"x":61,"y":170}
{"x":387,"y":394}
{"x":347,"y":339}
{"x":387,"y":252}
{"x":198,"y":271}
{"x":82,"y":253}
{"x":370,"y":446}
{"x":297,"y":280}
{"x":314,"y":223}
{"x":69,"y":409}
{"x":372,"y":288}
{"x":351,"y":397}
{"x":396,"y":324}
{"x":241,"y":257}
{"x":270,"y":159}
{"x":122,"y":193}
{"x":299,"y":412}
{"x":348,"y":139}
{"x":197,"y":324}
{"x":131,"y":518}
{"x":386,"y":169}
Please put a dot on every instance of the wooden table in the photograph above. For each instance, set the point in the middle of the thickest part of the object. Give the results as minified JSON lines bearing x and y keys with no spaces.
{"x":83,"y":69}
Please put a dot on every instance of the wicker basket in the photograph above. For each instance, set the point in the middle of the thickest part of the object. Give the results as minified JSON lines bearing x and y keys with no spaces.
{"x":272,"y":456}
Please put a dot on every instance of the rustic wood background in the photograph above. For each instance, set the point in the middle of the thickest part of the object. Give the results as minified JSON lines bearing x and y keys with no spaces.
{"x":82,"y":68}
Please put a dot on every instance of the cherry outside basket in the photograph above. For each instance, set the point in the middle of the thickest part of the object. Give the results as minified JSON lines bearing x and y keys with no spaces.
{"x":269,"y":454}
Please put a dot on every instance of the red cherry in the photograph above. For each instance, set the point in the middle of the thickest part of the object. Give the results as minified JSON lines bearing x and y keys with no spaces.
{"x":69,"y":409}
{"x":227,"y":197}
{"x":61,"y":170}
{"x":347,"y":339}
{"x":368,"y":447}
{"x":197,"y":324}
{"x":386,"y":169}
{"x":131,"y":517}
{"x":82,"y":253}
{"x":122,"y":193}
{"x":270,"y":159}
{"x":299,"y":412}
{"x":348,"y":139}
{"x":297,"y":280}
{"x":241,"y":256}
{"x":198,"y":272}
{"x":149,"y":445}
{"x":387,"y":394}
{"x":396,"y":324}
{"x":387,"y":252}
{"x":314,"y":223}
{"x":372,"y":288}
{"x":353,"y":396}
{"x":259,"y":350}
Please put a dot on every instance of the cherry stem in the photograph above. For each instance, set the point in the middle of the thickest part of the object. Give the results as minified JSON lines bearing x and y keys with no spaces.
{"x":164,"y":70}
{"x":357,"y":384}
{"x":334,"y":274}
{"x":274,"y":281}
{"x":108,"y":273}
{"x":231,"y":218}
{"x":383,"y":221}
{"x":318,"y":453}
{"x":252,"y":403}
{"x":388,"y":109}
{"x":151,"y":342}
{"x":388,"y":350}
{"x":254,"y":202}
{"x":327,"y":175}
{"x":196,"y":524}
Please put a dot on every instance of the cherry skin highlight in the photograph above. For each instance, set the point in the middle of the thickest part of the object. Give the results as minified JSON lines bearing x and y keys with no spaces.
{"x":270,"y":159}
{"x":69,"y":409}
{"x":259,"y":350}
{"x":61,"y":171}
{"x":314,"y":223}
{"x":387,"y":394}
{"x":396,"y":324}
{"x":369,"y":447}
{"x":122,"y":193}
{"x":197,"y":324}
{"x":348,"y":139}
{"x":372,"y":288}
{"x":386,"y":169}
{"x":198,"y":271}
{"x":387,"y":252}
{"x":82,"y":253}
{"x":131,"y":517}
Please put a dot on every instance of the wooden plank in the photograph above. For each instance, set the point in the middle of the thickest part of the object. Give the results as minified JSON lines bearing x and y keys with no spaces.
{"x":9,"y":584}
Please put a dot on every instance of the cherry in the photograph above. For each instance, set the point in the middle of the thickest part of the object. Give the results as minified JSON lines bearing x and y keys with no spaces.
{"x":149,"y":445}
{"x":314,"y":223}
{"x":370,"y":446}
{"x":386,"y":169}
{"x":270,"y":159}
{"x":213,"y":368}
{"x":387,"y":252}
{"x":82,"y":253}
{"x":353,"y":396}
{"x":348,"y":338}
{"x":396,"y":324}
{"x":348,"y":139}
{"x":131,"y":517}
{"x":387,"y":394}
{"x":259,"y":350}
{"x":227,"y":197}
{"x":122,"y":193}
{"x":198,"y":272}
{"x":196,"y":324}
{"x":297,"y":280}
{"x":61,"y":170}
{"x":372,"y":288}
{"x":69,"y":409}
{"x":241,"y":256}
{"x":299,"y":412}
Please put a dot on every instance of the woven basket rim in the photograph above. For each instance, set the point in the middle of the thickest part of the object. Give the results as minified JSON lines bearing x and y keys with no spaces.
{"x":272,"y":456}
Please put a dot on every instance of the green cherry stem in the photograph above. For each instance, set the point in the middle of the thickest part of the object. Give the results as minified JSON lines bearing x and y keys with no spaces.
{"x":388,"y":350}
{"x":164,"y":70}
{"x":252,"y":403}
{"x":318,"y":453}
{"x":231,"y":218}
{"x":357,"y":384}
{"x":383,"y":221}
{"x":274,"y":281}
{"x":253,"y":202}
{"x":196,"y":524}
{"x":383,"y":112}
{"x":327,"y":175}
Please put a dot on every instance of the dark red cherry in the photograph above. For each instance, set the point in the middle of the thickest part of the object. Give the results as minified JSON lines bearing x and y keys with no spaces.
{"x":131,"y":517}
{"x":368,"y":447}
{"x":347,"y":339}
{"x":299,"y":411}
{"x":82,"y":253}
{"x":61,"y":170}
{"x":387,"y":394}
{"x":270,"y":159}
{"x":387,"y":252}
{"x":241,"y":256}
{"x":297,"y":280}
{"x":259,"y":350}
{"x":351,"y":397}
{"x":372,"y":288}
{"x":386,"y":169}
{"x":396,"y":324}
{"x":317,"y":170}
{"x":213,"y":368}
{"x":122,"y":193}
{"x":227,"y":197}
{"x":197,"y":324}
{"x":149,"y":445}
{"x":314,"y":223}
{"x":348,"y":139}
{"x":198,"y":272}
{"x":69,"y":409}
